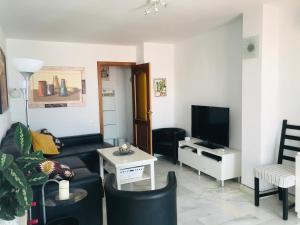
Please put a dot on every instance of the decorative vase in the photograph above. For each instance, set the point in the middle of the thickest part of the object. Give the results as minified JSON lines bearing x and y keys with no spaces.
{"x":50,"y":89}
{"x":63,"y":88}
{"x":12,"y":222}
{"x":56,"y":84}
{"x":42,"y":91}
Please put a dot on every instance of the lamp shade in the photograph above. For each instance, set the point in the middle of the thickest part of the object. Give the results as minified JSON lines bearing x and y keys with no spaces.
{"x":28,"y":65}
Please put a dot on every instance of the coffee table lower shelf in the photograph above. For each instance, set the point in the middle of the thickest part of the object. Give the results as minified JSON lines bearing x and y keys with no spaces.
{"x":132,"y":180}
{"x":115,"y":164}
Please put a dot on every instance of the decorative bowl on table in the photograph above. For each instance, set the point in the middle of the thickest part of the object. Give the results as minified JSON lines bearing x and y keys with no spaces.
{"x":125,"y":149}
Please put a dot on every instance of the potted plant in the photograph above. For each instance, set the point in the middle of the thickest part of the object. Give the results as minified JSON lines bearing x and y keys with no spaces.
{"x":17,"y":176}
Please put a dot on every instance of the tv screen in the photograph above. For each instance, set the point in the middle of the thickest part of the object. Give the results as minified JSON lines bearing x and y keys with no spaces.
{"x":211,"y":124}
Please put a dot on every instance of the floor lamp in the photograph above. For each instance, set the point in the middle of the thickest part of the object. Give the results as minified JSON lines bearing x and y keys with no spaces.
{"x":27,"y":67}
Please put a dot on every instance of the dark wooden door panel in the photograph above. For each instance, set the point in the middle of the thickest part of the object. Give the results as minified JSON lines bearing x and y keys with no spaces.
{"x":142,"y":107}
{"x":142,"y":132}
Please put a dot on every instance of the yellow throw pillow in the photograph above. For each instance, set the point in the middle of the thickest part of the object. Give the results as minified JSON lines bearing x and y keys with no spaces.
{"x":44,"y":143}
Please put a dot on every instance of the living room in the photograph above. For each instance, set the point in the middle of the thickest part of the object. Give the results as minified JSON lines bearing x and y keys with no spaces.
{"x":240,"y":55}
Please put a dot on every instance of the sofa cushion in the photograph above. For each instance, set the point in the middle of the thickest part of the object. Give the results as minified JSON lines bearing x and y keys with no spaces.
{"x":56,"y":170}
{"x":72,"y":161}
{"x":8,"y":146}
{"x":84,"y":175}
{"x":44,"y":143}
{"x":58,"y":143}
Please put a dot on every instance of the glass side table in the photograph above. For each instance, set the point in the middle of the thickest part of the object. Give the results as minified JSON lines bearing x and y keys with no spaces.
{"x":52,"y":200}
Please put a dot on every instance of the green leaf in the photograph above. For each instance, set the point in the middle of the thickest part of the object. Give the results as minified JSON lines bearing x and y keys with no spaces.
{"x":20,"y":211}
{"x":23,"y":138}
{"x":5,"y":189}
{"x":37,"y":179}
{"x":30,"y":161}
{"x":36,"y":157}
{"x":24,"y":197}
{"x":5,"y":215}
{"x":15,"y":176}
{"x":6,"y":211}
{"x":5,"y":161}
{"x":28,"y":166}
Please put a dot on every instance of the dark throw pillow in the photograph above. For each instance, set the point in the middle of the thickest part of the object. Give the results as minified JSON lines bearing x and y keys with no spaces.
{"x":56,"y":170}
{"x":56,"y":141}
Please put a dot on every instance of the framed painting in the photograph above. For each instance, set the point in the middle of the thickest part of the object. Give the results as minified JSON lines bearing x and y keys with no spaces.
{"x":58,"y":87}
{"x":105,"y":73}
{"x":3,"y":84}
{"x":160,"y":87}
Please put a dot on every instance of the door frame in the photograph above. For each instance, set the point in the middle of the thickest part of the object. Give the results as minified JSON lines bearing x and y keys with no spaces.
{"x":100,"y":65}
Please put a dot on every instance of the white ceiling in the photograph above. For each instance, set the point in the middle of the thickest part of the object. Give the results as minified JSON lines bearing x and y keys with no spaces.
{"x":114,"y":21}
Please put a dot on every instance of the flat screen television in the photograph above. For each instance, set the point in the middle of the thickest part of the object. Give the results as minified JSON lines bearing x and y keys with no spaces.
{"x":211,"y":126}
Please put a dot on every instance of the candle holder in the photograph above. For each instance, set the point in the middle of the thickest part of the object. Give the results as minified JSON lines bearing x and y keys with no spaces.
{"x":53,"y":200}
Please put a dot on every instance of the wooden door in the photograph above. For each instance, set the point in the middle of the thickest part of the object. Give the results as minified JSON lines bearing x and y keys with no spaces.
{"x":141,"y":97}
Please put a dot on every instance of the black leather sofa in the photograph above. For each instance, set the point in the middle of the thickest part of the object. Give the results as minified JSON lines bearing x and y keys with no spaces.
{"x":80,"y":154}
{"x":83,"y":147}
{"x":157,"y":207}
{"x":165,"y":142}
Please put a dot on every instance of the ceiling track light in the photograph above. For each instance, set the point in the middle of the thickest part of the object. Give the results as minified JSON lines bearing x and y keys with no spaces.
{"x":155,"y":6}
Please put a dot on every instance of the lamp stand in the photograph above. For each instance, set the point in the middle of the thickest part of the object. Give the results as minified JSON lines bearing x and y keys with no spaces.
{"x":26,"y":76}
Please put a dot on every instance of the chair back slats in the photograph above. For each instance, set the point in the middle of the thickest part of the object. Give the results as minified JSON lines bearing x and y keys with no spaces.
{"x":291,"y":148}
{"x":282,"y":140}
{"x":289,"y":158}
{"x":291,"y":137}
{"x":283,"y":146}
{"x":293,"y":127}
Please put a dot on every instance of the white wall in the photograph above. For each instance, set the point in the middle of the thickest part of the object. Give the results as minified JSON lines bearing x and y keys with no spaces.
{"x":120,"y":81}
{"x":289,"y":56}
{"x":65,"y":121}
{"x":5,"y":117}
{"x":270,"y":48}
{"x":208,"y":72}
{"x":161,"y":57}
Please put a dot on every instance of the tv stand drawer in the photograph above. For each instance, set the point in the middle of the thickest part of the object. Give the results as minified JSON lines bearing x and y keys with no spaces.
{"x":211,"y":167}
{"x":212,"y":156}
{"x":189,"y":157}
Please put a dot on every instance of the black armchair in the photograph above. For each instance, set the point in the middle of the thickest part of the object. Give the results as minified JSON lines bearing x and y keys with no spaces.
{"x":165,"y":141}
{"x":143,"y":207}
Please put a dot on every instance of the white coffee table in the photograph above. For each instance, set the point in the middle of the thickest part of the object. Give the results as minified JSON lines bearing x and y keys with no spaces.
{"x":118,"y":163}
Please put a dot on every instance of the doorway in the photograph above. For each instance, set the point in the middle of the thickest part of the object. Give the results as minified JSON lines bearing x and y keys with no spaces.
{"x":124,"y":103}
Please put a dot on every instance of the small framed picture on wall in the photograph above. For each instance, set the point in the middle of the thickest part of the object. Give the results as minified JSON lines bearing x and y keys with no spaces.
{"x":105,"y":73}
{"x":160,"y":87}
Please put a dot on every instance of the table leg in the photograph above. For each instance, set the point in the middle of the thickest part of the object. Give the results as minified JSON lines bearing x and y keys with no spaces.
{"x":101,"y":167}
{"x":239,"y":180}
{"x":222,"y":183}
{"x":118,"y":179}
{"x":152,"y":176}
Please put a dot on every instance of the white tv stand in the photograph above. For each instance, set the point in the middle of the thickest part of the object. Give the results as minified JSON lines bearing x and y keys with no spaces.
{"x":222,"y":164}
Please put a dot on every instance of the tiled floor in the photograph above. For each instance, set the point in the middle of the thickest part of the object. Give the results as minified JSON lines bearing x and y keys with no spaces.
{"x":201,"y":201}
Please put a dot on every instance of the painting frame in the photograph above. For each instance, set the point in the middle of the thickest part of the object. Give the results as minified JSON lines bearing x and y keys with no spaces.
{"x":4,"y":105}
{"x":160,"y":87}
{"x":73,"y":97}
